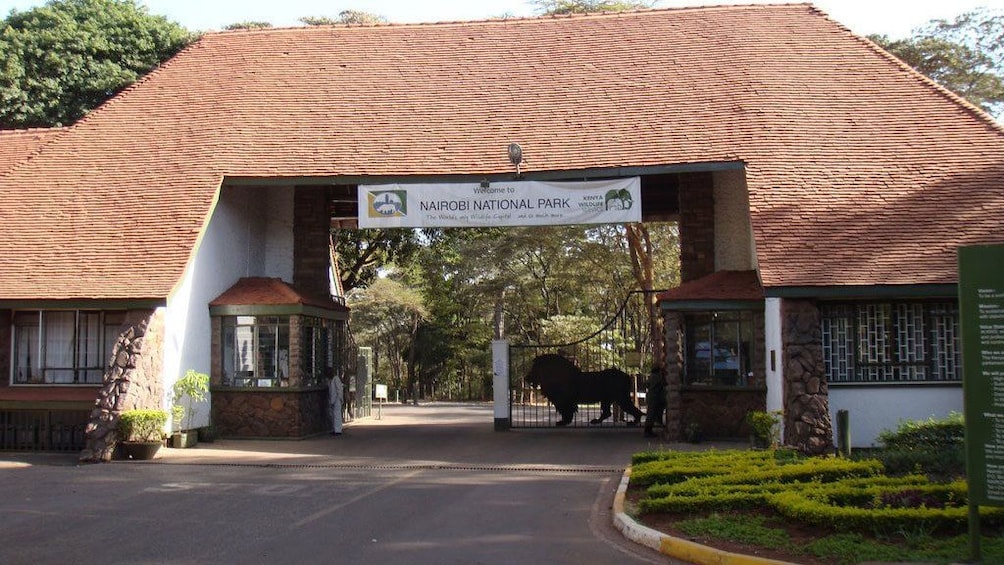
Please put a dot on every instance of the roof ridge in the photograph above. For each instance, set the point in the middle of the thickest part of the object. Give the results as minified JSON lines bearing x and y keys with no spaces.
{"x":518,"y":19}
{"x":153,"y":73}
{"x":51,"y":134}
{"x":977,"y":112}
{"x":35,"y":129}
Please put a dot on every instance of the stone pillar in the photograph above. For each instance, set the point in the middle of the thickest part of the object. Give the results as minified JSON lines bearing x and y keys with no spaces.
{"x":697,"y":226}
{"x":807,"y":425}
{"x":6,"y":320}
{"x":311,"y":228}
{"x":296,"y":350}
{"x":216,"y":351}
{"x":132,"y":379}
{"x":674,"y":376}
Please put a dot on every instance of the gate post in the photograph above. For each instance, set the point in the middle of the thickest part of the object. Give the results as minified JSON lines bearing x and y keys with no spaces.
{"x":500,"y":384}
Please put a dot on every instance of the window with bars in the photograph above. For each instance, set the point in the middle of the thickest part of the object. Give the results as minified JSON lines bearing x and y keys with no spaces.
{"x":881,"y":342}
{"x":63,"y":346}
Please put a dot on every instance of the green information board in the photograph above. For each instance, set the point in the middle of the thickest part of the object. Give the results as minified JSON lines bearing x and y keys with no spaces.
{"x":981,"y":308}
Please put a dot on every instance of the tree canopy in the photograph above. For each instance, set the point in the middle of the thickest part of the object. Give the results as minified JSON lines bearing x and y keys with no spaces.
{"x":345,"y":17}
{"x":63,"y":59}
{"x":965,"y":55}
{"x":560,"y":7}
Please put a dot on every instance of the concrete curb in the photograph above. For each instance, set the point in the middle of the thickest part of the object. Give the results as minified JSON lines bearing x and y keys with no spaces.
{"x":675,"y":547}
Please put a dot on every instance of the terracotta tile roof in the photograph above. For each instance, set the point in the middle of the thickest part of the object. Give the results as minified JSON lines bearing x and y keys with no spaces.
{"x":263,"y":291}
{"x":16,"y":145}
{"x":860,"y":171}
{"x":721,"y":285}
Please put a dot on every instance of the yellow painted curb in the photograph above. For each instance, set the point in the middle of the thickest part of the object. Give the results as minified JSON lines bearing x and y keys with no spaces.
{"x":675,"y":547}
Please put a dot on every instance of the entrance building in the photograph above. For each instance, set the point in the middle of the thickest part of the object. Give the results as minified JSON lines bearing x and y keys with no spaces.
{"x":821,"y":187}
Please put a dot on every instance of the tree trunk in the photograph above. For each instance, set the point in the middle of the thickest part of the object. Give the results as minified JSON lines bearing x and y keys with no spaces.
{"x":642,"y":264}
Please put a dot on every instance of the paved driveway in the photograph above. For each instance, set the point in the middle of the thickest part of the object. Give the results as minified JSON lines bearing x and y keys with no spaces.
{"x":423,"y":484}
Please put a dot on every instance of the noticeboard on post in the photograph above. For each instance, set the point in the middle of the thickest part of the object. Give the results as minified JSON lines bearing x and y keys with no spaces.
{"x":380,"y":392}
{"x":981,"y":313}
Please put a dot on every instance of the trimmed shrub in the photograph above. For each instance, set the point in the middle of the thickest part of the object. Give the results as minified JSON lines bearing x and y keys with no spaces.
{"x":836,"y":493}
{"x":932,"y":446}
{"x":929,"y":435}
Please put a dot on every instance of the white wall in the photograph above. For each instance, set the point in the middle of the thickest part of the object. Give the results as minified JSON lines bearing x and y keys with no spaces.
{"x":772,"y":344}
{"x":733,"y":232}
{"x":249,"y":234}
{"x":874,"y":409}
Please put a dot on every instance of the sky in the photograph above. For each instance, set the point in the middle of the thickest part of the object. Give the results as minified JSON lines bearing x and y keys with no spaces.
{"x":895,"y":18}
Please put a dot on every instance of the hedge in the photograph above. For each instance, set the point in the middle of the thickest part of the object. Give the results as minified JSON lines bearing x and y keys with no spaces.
{"x":838,"y":493}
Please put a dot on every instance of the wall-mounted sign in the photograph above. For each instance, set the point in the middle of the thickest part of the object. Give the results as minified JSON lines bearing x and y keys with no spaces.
{"x":516,"y":203}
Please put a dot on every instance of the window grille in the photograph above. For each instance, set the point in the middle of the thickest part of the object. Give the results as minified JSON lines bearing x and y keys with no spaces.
{"x":891,"y":342}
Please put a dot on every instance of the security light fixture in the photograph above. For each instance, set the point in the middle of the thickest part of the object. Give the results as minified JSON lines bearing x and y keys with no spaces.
{"x":515,"y":155}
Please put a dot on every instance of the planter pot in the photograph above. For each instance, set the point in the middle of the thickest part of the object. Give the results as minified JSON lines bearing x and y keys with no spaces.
{"x":182,"y":440}
{"x":141,"y":450}
{"x":207,"y":435}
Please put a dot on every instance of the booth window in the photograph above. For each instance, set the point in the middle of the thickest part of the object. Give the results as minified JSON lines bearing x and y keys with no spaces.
{"x":717,"y":346}
{"x":63,"y":346}
{"x":886,"y":342}
{"x":255,"y":351}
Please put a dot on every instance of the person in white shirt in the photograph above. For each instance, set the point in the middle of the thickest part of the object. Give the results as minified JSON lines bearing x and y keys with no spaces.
{"x":335,"y":395}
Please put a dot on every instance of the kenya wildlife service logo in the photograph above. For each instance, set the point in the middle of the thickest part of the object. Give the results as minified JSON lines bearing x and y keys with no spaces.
{"x":618,"y":199}
{"x":388,"y":203}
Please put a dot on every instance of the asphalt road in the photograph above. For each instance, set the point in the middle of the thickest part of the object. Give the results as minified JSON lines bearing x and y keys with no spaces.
{"x":423,"y":484}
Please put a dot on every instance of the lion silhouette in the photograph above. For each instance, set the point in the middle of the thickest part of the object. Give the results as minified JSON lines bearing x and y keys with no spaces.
{"x":566,"y":386}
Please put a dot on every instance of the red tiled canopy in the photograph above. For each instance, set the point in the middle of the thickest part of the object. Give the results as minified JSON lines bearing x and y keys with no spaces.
{"x":743,"y":286}
{"x":264,"y":291}
{"x":860,"y":171}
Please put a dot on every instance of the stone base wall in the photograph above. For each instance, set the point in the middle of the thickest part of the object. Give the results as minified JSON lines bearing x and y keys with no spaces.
{"x":270,"y":413}
{"x":721,"y":414}
{"x":673,"y":329}
{"x":133,"y":379}
{"x":807,"y":425}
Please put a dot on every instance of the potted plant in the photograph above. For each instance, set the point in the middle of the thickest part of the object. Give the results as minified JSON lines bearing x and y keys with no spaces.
{"x":142,"y":432}
{"x":188,"y":390}
{"x":765,"y":428}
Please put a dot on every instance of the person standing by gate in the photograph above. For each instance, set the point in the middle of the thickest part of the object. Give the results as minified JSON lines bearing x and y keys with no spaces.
{"x":335,"y":394}
{"x":655,"y":399}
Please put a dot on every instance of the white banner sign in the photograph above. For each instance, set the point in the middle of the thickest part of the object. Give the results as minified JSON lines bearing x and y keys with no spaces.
{"x":516,"y":203}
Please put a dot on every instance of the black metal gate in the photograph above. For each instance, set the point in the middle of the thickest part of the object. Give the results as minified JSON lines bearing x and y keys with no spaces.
{"x":624,"y":342}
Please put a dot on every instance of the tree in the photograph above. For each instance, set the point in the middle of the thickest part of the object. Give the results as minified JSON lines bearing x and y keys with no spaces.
{"x":965,"y":55}
{"x":361,"y":253}
{"x":387,"y":313}
{"x":249,"y":24}
{"x":63,"y":59}
{"x":345,"y":17}
{"x":562,"y":7}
